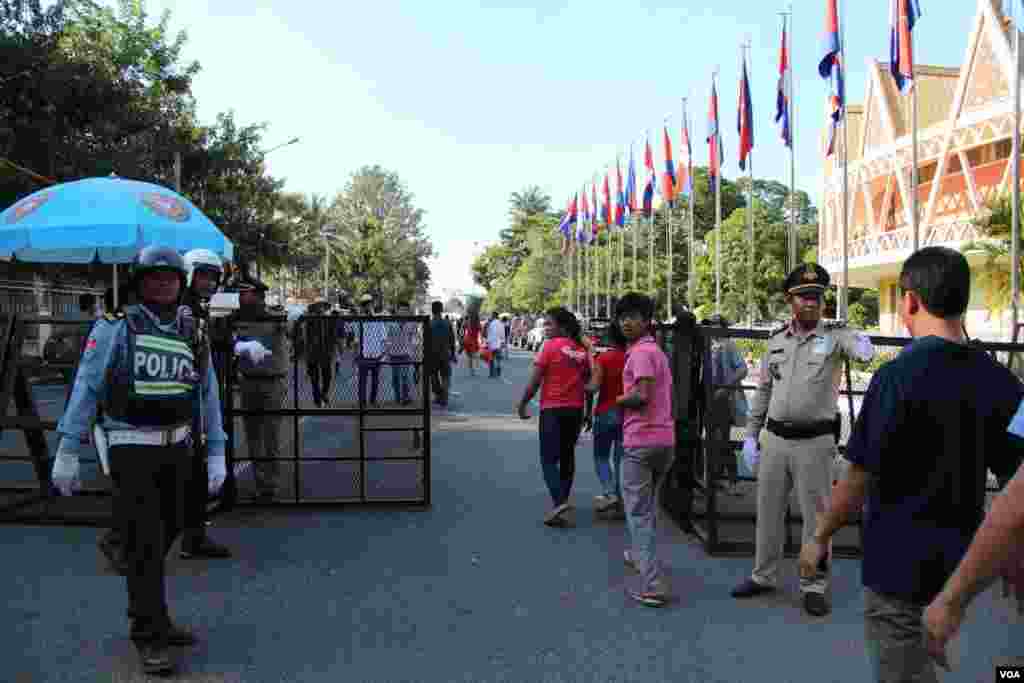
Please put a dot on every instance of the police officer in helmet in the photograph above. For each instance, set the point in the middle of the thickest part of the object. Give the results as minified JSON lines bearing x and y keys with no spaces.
{"x":205,"y":272}
{"x":147,"y":379}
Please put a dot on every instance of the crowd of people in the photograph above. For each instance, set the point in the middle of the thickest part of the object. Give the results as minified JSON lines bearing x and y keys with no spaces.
{"x":933,"y":422}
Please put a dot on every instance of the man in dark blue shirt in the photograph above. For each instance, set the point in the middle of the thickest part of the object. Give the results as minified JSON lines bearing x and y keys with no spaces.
{"x":934,"y":420}
{"x":440,"y":354}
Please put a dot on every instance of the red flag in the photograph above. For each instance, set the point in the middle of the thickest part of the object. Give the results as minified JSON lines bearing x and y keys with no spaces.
{"x":668,"y":180}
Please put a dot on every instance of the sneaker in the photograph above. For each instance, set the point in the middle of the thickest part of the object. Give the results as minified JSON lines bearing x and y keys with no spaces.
{"x":749,"y":588}
{"x":155,"y":657}
{"x":204,"y":547}
{"x":558,"y":515}
{"x":606,"y":502}
{"x":816,"y":604}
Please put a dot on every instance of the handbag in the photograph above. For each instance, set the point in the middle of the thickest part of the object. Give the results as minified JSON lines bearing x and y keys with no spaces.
{"x":486,"y":355}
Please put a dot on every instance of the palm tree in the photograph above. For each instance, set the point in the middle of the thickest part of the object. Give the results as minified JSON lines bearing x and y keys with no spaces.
{"x":529,"y":202}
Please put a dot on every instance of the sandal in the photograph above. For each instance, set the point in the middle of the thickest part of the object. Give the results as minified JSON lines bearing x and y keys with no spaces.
{"x":649,"y":599}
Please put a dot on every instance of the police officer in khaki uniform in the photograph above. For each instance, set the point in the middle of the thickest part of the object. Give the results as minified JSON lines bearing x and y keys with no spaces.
{"x":797,"y":391}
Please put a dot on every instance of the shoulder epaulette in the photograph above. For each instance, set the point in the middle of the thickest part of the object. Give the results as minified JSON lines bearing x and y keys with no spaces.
{"x":835,"y":324}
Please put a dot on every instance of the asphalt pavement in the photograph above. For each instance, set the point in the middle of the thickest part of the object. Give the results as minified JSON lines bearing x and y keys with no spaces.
{"x":474,"y":588}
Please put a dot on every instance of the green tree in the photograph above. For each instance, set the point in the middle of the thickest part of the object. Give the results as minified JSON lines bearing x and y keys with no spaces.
{"x":382,"y":248}
{"x":88,"y":90}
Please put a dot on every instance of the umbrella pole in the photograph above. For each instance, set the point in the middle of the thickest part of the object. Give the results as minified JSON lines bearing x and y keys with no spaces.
{"x":115,"y":290}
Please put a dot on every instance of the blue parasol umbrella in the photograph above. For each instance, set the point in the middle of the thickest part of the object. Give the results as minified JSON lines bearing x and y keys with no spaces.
{"x":106,"y":220}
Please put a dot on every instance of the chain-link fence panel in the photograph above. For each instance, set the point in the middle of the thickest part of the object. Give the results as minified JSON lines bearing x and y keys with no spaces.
{"x":348,"y":423}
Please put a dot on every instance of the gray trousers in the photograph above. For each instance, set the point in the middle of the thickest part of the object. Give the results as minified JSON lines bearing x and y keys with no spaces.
{"x":643,"y":469}
{"x":263,"y":432}
{"x":894,"y":637}
{"x":787,"y":464}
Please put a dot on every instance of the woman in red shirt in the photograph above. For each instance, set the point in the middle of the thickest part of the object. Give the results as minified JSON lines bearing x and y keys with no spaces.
{"x":561,"y":369}
{"x":606,"y":383}
{"x":471,"y":341}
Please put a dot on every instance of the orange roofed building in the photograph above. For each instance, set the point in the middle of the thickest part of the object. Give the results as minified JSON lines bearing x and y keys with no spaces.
{"x":965,"y":123}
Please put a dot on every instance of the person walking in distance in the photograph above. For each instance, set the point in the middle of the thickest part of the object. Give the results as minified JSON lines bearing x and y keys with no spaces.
{"x":371,"y":349}
{"x":932,"y":421}
{"x":495,"y":340}
{"x":561,"y":371}
{"x":147,"y":381}
{"x":441,"y":354}
{"x":795,"y":402}
{"x":401,"y":346}
{"x":606,"y":420}
{"x":648,"y":434}
{"x":471,"y":341}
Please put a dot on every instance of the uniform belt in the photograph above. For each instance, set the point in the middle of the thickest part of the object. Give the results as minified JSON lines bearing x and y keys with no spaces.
{"x":800,"y":430}
{"x":147,"y":437}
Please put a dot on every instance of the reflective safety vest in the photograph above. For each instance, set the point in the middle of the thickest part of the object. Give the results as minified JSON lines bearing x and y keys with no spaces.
{"x":156,"y":383}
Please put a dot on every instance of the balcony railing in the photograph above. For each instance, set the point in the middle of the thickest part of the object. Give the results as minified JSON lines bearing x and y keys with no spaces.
{"x":879,"y":244}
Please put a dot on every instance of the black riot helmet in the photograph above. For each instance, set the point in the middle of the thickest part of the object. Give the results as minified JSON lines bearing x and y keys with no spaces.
{"x":153,"y":258}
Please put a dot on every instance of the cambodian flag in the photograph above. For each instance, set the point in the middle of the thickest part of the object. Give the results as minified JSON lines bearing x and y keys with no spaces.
{"x":745,"y":119}
{"x":581,"y":227}
{"x":620,"y":196}
{"x":782,"y":98}
{"x":668,"y":181}
{"x":631,"y":183}
{"x":684,"y":179}
{"x":714,"y":141}
{"x":565,"y":227}
{"x":903,"y":15}
{"x":648,"y":205}
{"x":606,"y":208}
{"x":831,"y":67}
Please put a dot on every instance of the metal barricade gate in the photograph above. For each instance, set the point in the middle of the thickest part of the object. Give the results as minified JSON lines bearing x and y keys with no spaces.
{"x":348,"y":421}
{"x":725,"y":523}
{"x":354,"y":451}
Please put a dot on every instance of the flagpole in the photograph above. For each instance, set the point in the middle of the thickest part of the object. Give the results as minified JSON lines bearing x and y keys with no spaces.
{"x":622,"y":257}
{"x":668,"y":265}
{"x":610,"y":244}
{"x":718,"y":214}
{"x":792,"y":145}
{"x":913,"y":162}
{"x":1015,"y":223}
{"x":750,"y":204}
{"x":844,"y":292}
{"x":689,"y":201}
{"x":668,"y":249}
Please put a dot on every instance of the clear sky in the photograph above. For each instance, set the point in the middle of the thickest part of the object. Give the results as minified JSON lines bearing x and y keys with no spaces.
{"x":470,"y":101}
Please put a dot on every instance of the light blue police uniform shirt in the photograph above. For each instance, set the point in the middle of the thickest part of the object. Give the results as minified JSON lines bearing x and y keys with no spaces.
{"x":105,"y":348}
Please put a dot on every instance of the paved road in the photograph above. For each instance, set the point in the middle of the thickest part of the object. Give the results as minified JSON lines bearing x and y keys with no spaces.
{"x":474,"y":589}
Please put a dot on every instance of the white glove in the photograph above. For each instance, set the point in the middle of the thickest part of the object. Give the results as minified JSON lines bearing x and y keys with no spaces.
{"x":751,"y":455}
{"x":65,"y":474}
{"x":863,"y":349}
{"x":256,"y":351}
{"x":217,"y":473}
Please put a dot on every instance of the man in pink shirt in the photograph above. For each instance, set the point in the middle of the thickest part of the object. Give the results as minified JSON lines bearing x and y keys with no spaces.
{"x":649,"y":438}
